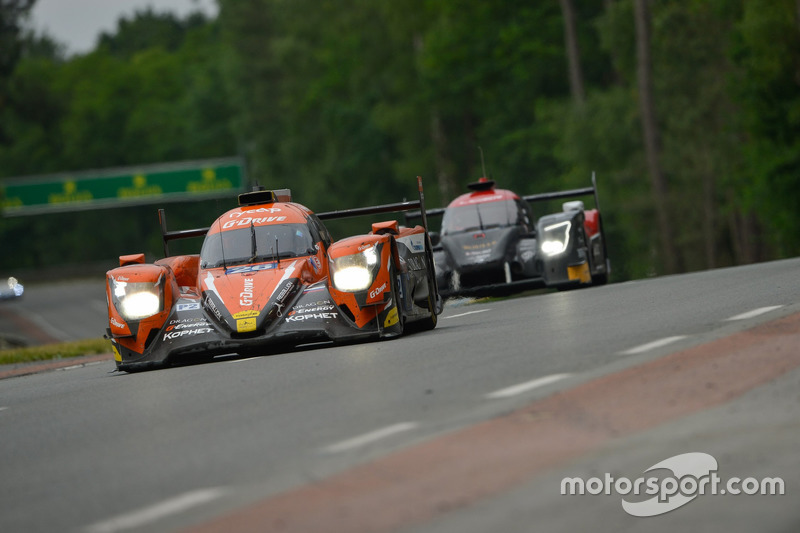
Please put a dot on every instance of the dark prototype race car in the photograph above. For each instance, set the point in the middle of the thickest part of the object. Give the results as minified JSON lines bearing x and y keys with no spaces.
{"x":491,"y":243}
{"x":270,"y":276}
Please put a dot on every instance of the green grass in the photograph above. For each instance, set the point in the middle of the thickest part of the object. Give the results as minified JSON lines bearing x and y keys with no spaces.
{"x":61,"y":350}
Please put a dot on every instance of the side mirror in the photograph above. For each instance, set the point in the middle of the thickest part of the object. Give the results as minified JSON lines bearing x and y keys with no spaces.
{"x":436,"y":238}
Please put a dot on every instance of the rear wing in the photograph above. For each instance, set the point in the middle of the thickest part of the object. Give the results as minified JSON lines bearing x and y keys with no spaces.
{"x":572,"y":193}
{"x":385,"y":208}
{"x":167,"y":236}
{"x":344,"y":213}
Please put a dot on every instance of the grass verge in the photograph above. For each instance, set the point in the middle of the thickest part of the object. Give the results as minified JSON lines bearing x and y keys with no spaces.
{"x":62,"y":350}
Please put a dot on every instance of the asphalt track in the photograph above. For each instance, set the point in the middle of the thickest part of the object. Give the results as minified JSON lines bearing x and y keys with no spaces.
{"x":470,"y":427}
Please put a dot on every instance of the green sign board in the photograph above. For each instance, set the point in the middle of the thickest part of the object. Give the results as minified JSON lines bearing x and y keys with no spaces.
{"x":193,"y":180}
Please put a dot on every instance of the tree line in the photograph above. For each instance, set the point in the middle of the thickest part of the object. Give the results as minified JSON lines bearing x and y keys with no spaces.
{"x":688,"y":111}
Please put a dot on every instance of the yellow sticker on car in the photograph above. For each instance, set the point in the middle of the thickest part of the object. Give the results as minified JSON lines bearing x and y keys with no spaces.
{"x":580,"y":272}
{"x":117,"y":356}
{"x":246,"y":324}
{"x":391,"y":318}
{"x":245,"y":314}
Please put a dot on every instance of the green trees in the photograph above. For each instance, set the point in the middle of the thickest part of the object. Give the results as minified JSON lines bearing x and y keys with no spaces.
{"x":693,"y":131}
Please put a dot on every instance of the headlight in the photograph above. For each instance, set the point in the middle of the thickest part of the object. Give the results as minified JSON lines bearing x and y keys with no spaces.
{"x":136,"y":301}
{"x":556,"y":238}
{"x":353,"y":273}
{"x":15,"y":286}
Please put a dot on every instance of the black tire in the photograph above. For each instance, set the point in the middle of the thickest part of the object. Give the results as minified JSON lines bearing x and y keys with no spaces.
{"x":430,"y":321}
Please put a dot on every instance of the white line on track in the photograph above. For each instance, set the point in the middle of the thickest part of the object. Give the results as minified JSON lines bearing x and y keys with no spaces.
{"x":525,"y":387}
{"x":467,"y":313}
{"x":151,"y":514}
{"x":652,"y":345}
{"x":755,"y":312}
{"x":243,"y":360}
{"x":3,"y":408}
{"x":368,"y":438}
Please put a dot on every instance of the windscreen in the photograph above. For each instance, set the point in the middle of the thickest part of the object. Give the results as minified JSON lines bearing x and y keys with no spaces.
{"x":479,"y":216}
{"x":256,"y":244}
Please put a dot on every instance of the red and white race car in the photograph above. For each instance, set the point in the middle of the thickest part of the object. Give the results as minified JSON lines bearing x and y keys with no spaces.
{"x":492,"y":243}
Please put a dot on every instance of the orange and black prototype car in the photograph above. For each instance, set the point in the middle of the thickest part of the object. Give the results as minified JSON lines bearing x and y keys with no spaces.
{"x":269,"y":276}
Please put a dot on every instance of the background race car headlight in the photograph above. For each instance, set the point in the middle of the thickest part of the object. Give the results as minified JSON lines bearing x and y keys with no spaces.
{"x":353,"y":273}
{"x":15,"y":286}
{"x":136,"y":301}
{"x":556,"y":238}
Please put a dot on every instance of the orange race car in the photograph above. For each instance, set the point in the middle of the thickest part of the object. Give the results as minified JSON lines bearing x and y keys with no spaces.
{"x":269,"y":275}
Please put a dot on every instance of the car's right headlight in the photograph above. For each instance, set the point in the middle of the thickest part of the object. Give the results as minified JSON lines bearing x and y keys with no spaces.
{"x":136,"y":301}
{"x":15,"y":286}
{"x":556,"y":238}
{"x":356,"y":272}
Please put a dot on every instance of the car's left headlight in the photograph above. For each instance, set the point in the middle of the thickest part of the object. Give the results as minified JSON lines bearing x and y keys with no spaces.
{"x":356,"y":272}
{"x":136,"y":301}
{"x":15,"y":286}
{"x":556,"y":238}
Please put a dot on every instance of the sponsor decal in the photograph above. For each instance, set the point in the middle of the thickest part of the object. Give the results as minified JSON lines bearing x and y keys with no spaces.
{"x":246,"y":314}
{"x":188,"y":325}
{"x":117,"y":356}
{"x":284,"y":292}
{"x":314,"y":288}
{"x":311,"y":316}
{"x":251,"y":268}
{"x":480,"y":246}
{"x":256,"y":221}
{"x":188,"y":307}
{"x":527,"y":256}
{"x":317,"y":309}
{"x":416,"y":263}
{"x":316,"y":263}
{"x":414,"y":242}
{"x":114,"y":322}
{"x":211,"y":306}
{"x":363,"y":247}
{"x":246,"y":324}
{"x":246,"y":296}
{"x":186,"y":332}
{"x":309,"y":306}
{"x":392,"y":318}
{"x":190,"y":320}
{"x":375,"y":293}
{"x":270,"y":210}
{"x":121,"y":278}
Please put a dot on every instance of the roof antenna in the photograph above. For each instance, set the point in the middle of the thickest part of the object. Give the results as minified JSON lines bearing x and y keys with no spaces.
{"x":483,"y":165}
